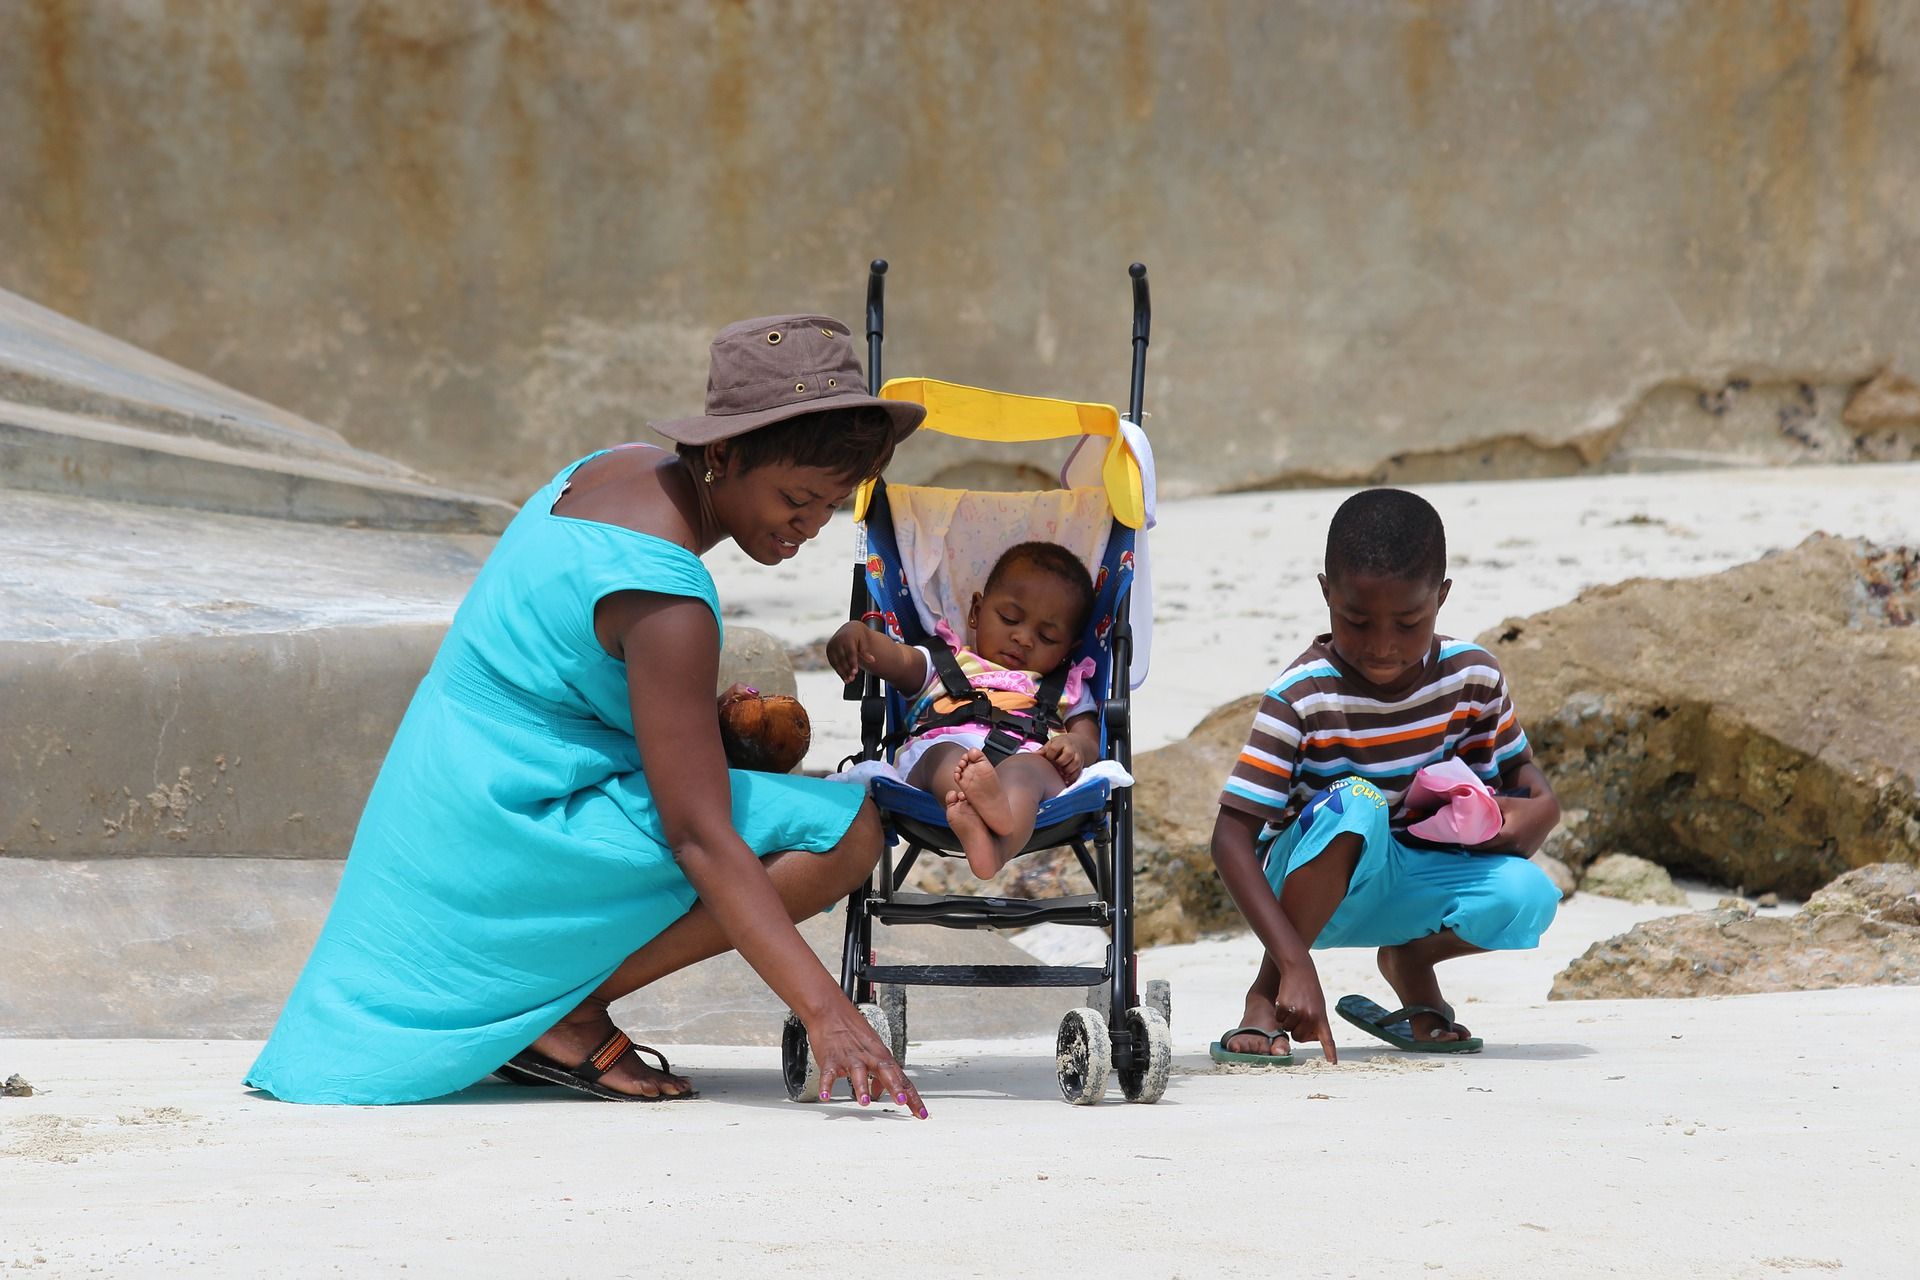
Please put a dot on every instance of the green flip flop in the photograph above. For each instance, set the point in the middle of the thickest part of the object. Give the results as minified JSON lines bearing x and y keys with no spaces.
{"x":1219,"y":1052}
{"x":1396,"y":1028}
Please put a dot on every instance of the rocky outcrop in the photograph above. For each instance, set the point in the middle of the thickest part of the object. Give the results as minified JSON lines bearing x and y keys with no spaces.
{"x":1861,"y":930}
{"x":1621,"y":875}
{"x":1755,"y":727}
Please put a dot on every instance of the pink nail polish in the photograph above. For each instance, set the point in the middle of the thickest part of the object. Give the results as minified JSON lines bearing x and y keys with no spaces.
{"x":864,"y":1099}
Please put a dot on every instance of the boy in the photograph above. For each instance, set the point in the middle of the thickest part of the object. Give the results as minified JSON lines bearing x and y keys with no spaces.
{"x":1316,"y":796}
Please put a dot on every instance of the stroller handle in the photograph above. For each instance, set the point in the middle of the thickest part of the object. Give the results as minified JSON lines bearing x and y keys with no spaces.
{"x":1142,"y":323}
{"x":876,"y":320}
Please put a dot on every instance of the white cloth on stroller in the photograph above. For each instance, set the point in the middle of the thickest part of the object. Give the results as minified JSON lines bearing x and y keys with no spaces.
{"x":949,"y":539}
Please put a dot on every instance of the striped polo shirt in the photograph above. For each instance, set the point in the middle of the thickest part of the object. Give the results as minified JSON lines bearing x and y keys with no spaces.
{"x":1320,"y":722}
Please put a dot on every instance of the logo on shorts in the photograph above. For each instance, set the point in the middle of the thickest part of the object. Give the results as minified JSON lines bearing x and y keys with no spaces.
{"x":1361,"y":788}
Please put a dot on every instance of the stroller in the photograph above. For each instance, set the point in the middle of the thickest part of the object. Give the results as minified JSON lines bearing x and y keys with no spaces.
{"x":921,"y":553}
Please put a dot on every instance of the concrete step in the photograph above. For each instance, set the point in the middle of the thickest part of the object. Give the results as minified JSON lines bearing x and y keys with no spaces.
{"x":83,"y":413}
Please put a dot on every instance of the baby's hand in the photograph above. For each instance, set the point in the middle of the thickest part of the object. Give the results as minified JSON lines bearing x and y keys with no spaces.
{"x":850,"y":651}
{"x":1064,"y":754}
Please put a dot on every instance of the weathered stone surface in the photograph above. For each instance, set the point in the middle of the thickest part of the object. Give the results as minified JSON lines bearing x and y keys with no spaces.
{"x":1865,"y":932}
{"x":485,"y":237}
{"x":1755,"y":727}
{"x":1621,"y":875}
{"x":1888,"y":401}
{"x":1558,"y":872}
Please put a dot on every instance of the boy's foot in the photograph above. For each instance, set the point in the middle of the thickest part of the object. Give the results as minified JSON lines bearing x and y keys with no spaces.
{"x":569,"y":1042}
{"x":1414,"y":981}
{"x":979,"y":781}
{"x":1258,"y":1013}
{"x":983,"y":855}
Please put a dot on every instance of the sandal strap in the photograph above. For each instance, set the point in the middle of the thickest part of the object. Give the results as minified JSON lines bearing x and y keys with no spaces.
{"x":664,"y":1068}
{"x":1268,"y":1036}
{"x":601,"y":1060}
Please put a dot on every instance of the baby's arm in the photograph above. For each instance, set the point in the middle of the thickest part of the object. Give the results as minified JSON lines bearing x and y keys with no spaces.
{"x":856,"y":647}
{"x":1075,"y":747}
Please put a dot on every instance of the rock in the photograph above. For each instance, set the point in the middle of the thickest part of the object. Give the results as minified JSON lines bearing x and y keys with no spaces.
{"x":1767,"y":900}
{"x":1177,"y":896}
{"x":1621,"y":875}
{"x":755,"y":658}
{"x":1889,"y":400}
{"x":1886,"y":892}
{"x":1866,"y":933}
{"x":1754,"y":727}
{"x":16,"y":1087}
{"x":1557,"y":871}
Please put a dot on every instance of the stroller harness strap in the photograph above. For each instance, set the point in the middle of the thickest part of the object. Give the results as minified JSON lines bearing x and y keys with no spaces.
{"x":1010,"y":729}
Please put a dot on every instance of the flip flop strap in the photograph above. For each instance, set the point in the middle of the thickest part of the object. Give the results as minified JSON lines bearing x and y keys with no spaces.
{"x":1268,"y":1036}
{"x":1406,"y":1015}
{"x":601,"y":1060}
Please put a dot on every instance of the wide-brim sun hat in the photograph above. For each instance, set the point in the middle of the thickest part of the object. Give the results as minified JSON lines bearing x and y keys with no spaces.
{"x":777,"y":367}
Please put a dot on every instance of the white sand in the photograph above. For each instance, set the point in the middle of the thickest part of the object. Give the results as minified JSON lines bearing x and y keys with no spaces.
{"x":1758,"y":1136}
{"x":1755,"y":1137}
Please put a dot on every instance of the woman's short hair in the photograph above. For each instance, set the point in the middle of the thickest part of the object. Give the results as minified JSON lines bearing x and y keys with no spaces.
{"x":855,"y":444}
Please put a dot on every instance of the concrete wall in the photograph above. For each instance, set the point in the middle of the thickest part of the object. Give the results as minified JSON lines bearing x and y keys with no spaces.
{"x":1478,"y":238}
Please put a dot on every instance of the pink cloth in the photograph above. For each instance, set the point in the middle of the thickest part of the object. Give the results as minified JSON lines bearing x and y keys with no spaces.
{"x":1468,"y":813}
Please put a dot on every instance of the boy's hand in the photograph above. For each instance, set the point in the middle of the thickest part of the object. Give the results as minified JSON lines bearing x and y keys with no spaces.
{"x":1525,"y":824}
{"x":851,"y":650}
{"x":1301,"y":1007}
{"x":1063,"y":752}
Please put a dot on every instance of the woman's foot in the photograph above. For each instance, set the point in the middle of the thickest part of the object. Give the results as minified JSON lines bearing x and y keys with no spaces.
{"x":1259,"y":1013}
{"x":976,"y":841}
{"x":1409,"y":971}
{"x":979,"y":782}
{"x":571,"y":1039}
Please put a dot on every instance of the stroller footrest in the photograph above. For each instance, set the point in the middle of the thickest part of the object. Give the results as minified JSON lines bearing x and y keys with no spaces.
{"x":960,"y":911}
{"x":983,"y":975}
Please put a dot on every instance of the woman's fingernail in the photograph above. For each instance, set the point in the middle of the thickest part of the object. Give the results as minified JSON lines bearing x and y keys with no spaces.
{"x":824,"y":1095}
{"x":864,"y":1099}
{"x":900,"y":1098}
{"x":751,"y":689}
{"x":923,"y":1113}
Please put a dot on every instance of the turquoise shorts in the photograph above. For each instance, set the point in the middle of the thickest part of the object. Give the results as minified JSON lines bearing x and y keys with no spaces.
{"x":1400,"y":892}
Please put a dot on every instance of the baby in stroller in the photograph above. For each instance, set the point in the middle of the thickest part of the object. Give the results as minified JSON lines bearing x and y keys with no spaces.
{"x":1000,"y":724}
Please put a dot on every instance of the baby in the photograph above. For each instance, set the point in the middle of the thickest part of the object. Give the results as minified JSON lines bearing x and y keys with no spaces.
{"x":1021,"y":628}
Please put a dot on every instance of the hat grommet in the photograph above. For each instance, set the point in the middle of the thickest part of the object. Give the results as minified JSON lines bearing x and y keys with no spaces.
{"x":773,"y":339}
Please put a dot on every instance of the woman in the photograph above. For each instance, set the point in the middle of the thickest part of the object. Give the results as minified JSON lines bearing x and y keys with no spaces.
{"x":555,"y":825}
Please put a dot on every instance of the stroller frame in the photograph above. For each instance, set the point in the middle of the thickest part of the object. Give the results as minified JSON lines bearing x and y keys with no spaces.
{"x":1115,"y":1029}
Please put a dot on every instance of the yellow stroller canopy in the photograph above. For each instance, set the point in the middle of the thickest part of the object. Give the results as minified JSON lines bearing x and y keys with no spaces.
{"x":974,"y":413}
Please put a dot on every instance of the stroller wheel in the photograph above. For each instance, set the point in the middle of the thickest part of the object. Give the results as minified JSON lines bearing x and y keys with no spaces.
{"x":1145,"y":1078}
{"x":1158,"y":996}
{"x":1082,"y":1056}
{"x":894,"y":1001}
{"x":798,"y":1067}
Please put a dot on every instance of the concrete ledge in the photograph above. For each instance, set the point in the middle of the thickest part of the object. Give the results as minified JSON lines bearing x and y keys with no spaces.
{"x":263,"y":743}
{"x":209,"y":948}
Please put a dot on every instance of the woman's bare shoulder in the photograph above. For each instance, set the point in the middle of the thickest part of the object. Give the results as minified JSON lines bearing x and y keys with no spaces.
{"x":632,"y":487}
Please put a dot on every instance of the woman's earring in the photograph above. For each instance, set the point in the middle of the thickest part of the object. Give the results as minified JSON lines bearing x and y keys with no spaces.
{"x":709,"y":475}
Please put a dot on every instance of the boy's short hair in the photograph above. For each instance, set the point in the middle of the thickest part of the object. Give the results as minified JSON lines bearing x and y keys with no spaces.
{"x":1050,"y":557}
{"x":1389,"y":533}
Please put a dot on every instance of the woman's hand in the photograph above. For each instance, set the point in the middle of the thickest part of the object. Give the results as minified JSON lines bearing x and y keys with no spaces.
{"x":845,"y":1046}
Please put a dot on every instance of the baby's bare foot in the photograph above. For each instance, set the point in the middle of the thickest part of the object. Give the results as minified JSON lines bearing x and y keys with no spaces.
{"x":983,"y":855}
{"x":979,"y":781}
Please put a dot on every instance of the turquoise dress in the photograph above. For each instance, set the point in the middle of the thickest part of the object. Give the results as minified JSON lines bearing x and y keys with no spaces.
{"x":510,"y":856}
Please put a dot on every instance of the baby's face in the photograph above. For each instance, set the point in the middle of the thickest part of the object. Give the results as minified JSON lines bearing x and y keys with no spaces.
{"x":1025,"y":622}
{"x":1383,"y":626}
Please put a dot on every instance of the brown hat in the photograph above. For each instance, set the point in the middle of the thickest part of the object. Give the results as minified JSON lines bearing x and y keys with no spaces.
{"x":779,"y":367}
